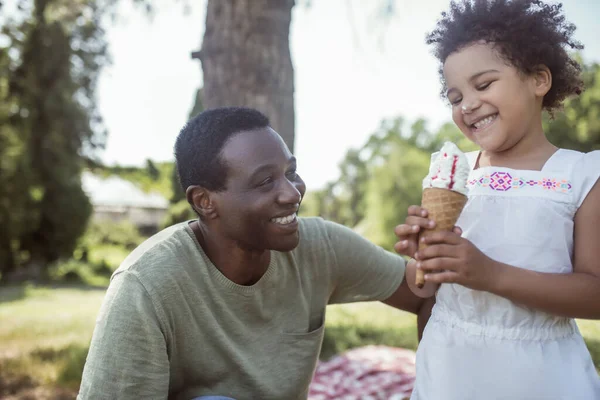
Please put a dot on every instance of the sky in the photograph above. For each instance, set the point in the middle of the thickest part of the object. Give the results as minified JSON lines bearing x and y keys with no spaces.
{"x":351,"y":72}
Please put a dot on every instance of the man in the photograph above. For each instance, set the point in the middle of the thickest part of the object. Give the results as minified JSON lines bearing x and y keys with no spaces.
{"x":233,"y":304}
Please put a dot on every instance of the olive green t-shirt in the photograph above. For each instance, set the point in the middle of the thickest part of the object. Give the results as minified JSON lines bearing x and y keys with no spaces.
{"x":172,"y":326}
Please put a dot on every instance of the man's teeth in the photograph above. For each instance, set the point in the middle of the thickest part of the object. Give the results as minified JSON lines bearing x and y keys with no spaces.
{"x":484,"y":122}
{"x":284,"y":220}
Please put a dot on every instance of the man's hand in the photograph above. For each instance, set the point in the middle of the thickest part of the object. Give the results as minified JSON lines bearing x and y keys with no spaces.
{"x":408,"y":232}
{"x":426,"y":291}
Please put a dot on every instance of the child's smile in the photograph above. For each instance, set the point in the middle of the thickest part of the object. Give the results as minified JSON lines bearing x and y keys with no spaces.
{"x":483,"y":123}
{"x":493,"y":104}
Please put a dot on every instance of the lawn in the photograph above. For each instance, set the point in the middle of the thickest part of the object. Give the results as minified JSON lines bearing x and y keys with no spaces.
{"x":44,"y":335}
{"x":45,"y":332}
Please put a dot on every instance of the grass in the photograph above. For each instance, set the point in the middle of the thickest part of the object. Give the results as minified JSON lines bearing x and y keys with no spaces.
{"x":45,"y":333}
{"x":359,"y":324}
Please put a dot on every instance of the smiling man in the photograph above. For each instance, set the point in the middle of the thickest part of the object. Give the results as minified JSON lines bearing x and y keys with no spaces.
{"x":233,"y":303}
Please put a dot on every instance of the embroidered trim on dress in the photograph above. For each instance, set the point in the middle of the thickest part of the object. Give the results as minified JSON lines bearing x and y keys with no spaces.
{"x":503,"y":181}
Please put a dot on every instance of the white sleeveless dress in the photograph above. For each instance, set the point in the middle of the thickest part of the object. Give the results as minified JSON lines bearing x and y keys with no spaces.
{"x":477,"y":345}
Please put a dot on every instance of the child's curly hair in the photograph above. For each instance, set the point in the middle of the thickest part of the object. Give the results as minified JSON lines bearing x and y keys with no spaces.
{"x":527,"y":33}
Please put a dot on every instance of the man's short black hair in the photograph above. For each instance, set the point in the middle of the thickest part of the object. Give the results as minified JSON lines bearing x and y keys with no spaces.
{"x":199,"y":144}
{"x":526,"y":33}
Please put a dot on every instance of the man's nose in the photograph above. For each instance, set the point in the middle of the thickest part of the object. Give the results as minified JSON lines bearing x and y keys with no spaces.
{"x":290,"y":193}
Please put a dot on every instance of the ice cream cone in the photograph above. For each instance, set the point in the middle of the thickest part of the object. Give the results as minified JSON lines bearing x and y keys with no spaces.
{"x":444,"y":207}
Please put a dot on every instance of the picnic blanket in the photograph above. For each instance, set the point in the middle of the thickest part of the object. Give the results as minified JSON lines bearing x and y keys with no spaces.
{"x":365,"y":373}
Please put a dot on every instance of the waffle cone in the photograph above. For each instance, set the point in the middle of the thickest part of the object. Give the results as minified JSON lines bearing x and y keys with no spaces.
{"x":444,"y":207}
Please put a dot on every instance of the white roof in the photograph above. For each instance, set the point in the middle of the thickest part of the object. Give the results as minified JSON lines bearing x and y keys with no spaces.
{"x":116,"y":192}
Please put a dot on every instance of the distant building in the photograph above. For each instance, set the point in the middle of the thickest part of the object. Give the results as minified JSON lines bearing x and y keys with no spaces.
{"x":117,"y":199}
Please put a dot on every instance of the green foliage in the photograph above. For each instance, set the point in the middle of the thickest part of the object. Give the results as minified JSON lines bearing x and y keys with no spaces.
{"x":380,"y":180}
{"x":153,"y":177}
{"x":152,"y":171}
{"x":179,"y":212}
{"x":395,"y":185}
{"x":176,"y":190}
{"x":74,"y":271}
{"x":578,"y":127}
{"x":121,"y":233}
{"x":54,"y":50}
{"x":99,"y":252}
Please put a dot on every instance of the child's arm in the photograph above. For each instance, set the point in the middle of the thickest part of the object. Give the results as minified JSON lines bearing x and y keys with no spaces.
{"x":575,"y":295}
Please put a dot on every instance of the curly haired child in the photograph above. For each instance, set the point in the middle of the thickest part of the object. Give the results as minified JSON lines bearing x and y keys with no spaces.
{"x":527,"y":261}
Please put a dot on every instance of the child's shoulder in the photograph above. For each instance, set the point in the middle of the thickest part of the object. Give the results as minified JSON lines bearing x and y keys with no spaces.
{"x":584,"y":170}
{"x":578,"y":160}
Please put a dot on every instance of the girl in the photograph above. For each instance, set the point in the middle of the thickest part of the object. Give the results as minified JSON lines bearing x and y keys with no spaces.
{"x":528,"y":260}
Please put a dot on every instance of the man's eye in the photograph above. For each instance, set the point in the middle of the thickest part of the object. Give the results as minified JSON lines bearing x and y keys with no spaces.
{"x":292,"y":174}
{"x":266,"y":182}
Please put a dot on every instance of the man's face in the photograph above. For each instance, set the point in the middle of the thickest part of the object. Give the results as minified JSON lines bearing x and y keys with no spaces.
{"x":258,"y":208}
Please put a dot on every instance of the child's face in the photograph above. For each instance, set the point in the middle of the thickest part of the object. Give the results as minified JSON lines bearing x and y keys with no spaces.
{"x":493,"y":104}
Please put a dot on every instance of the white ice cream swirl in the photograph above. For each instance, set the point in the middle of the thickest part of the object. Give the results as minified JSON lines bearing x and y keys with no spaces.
{"x":449,"y":169}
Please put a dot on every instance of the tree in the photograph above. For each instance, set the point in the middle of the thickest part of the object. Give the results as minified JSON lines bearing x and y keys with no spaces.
{"x":578,"y":126}
{"x":381,"y":179}
{"x":12,"y":166}
{"x":198,"y":104}
{"x":246,"y":59}
{"x":151,"y":170}
{"x":48,"y":80}
{"x":179,"y":209}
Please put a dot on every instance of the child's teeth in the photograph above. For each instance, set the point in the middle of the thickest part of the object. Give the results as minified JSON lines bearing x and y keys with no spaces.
{"x":483,"y":122}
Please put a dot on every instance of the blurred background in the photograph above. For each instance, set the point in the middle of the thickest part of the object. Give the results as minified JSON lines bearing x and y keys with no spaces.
{"x":94,"y":92}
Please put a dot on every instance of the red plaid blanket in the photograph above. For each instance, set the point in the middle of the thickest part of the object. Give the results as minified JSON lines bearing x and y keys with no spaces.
{"x":371,"y":372}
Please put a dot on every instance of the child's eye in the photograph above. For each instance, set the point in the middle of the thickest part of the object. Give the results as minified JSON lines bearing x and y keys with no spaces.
{"x":456,"y":101}
{"x":484,"y":86}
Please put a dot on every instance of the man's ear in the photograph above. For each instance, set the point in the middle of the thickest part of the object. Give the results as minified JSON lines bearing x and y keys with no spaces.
{"x":542,"y":79}
{"x":201,"y":200}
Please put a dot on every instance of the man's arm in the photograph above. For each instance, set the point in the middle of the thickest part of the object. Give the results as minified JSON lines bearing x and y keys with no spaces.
{"x":366,"y":272}
{"x":128,"y":354}
{"x":404,"y":299}
{"x":424,"y":314}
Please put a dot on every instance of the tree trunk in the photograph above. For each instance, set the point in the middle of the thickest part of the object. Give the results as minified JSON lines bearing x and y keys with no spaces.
{"x":7,"y":261}
{"x":246,"y":59}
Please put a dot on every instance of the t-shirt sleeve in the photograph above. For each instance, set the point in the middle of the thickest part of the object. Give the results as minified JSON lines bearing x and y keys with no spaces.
{"x":363,"y":271}
{"x":128,"y":353}
{"x":588,"y":173}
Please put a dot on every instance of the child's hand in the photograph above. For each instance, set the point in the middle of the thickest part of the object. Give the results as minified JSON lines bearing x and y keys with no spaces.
{"x":408,"y":232}
{"x":449,"y":258}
